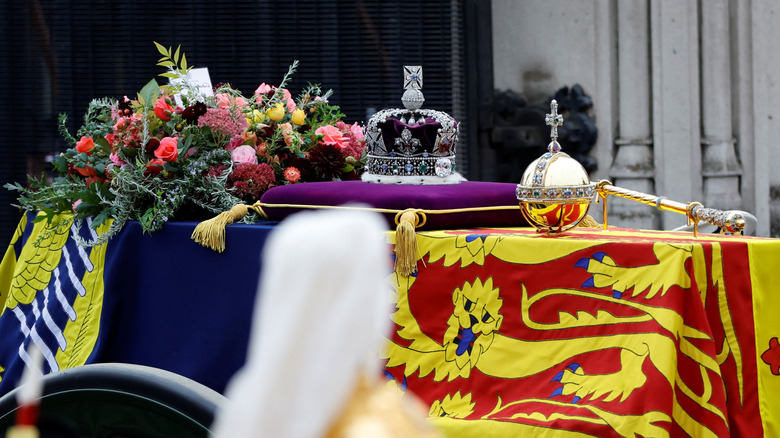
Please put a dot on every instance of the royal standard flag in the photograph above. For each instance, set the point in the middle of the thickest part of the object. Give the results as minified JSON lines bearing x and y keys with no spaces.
{"x":590,"y":333}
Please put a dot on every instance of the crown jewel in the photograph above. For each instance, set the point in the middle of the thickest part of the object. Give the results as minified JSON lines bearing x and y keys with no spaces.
{"x":411,"y":145}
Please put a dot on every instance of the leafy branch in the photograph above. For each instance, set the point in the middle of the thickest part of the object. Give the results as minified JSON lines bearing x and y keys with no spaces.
{"x":172,"y":61}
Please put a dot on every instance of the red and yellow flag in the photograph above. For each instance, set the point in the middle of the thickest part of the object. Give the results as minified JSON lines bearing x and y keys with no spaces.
{"x":610,"y":334}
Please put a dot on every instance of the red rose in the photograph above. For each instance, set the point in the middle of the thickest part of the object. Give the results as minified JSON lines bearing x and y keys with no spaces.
{"x":168,"y":149}
{"x":85,"y":145}
{"x":163,"y":109}
{"x":154,"y":167}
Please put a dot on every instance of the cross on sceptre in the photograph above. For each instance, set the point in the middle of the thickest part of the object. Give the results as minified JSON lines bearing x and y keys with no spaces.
{"x":554,"y":120}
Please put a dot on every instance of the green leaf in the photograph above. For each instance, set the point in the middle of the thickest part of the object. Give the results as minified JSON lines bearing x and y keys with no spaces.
{"x":61,"y":163}
{"x":161,"y":49}
{"x":169,"y":75}
{"x":148,"y":93}
{"x":45,"y":214}
{"x":165,"y":64}
{"x":183,"y":61}
{"x":176,"y":55}
{"x":100,"y":218}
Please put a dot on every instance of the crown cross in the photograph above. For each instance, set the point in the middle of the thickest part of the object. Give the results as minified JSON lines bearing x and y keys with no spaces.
{"x":554,"y":120}
{"x":413,"y":78}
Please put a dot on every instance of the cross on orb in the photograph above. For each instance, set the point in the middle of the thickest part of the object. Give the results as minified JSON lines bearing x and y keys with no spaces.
{"x":554,"y":120}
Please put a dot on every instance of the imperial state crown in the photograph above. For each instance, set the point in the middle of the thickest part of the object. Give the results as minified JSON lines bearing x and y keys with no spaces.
{"x":411,"y":145}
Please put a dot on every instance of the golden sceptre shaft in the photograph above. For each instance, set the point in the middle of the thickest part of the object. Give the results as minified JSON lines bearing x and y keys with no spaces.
{"x":732,"y":222}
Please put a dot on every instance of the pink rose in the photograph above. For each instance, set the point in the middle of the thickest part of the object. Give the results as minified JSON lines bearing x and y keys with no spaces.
{"x":244,"y":155}
{"x":356,"y":132}
{"x":290,"y":102}
{"x":332,"y":135}
{"x":85,"y":145}
{"x":225,"y":100}
{"x":163,"y":109}
{"x":168,"y":149}
{"x":269,"y":90}
{"x":118,"y":162}
{"x":264,"y":89}
{"x":234,"y":143}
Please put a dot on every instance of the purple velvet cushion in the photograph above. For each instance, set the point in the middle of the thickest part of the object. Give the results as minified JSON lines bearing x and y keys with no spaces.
{"x":468,"y":194}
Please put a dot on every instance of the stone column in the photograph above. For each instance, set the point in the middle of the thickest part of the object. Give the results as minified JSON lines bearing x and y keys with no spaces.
{"x":633,"y":166}
{"x":756,"y":67}
{"x":720,"y":168}
{"x":676,"y":106}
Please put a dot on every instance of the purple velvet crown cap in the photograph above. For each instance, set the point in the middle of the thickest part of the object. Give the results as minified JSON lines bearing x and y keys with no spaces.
{"x":425,"y":131}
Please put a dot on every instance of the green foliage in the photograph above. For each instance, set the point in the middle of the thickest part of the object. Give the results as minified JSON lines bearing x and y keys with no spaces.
{"x":148,"y":94}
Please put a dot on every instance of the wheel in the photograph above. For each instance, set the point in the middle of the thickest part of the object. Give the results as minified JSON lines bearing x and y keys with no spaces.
{"x":119,"y":400}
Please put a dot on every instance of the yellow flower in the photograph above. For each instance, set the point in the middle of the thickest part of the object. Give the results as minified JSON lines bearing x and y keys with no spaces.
{"x":257,"y":116}
{"x":298,"y":117}
{"x":276,"y":113}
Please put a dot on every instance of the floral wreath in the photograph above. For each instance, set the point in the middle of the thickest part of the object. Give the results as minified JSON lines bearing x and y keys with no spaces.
{"x":173,"y":150}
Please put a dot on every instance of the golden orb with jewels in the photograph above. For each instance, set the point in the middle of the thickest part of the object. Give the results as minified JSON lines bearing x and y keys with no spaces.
{"x":555,"y":191}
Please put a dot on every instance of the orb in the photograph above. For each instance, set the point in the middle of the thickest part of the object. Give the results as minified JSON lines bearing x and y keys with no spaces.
{"x":555,"y":192}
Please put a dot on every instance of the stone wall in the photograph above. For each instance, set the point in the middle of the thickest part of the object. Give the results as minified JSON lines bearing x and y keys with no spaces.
{"x":682,"y":94}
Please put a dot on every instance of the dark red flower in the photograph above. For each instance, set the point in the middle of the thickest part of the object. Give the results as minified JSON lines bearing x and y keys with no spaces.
{"x":251,"y":180}
{"x":304,"y":166}
{"x":328,"y":160}
{"x":152,"y":145}
{"x":192,"y":113}
{"x":154,"y":167}
{"x":216,"y":171}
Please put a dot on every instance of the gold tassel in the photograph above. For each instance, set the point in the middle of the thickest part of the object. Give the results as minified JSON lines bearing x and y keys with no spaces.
{"x":211,"y":233}
{"x":589,"y":222}
{"x":406,"y":249}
